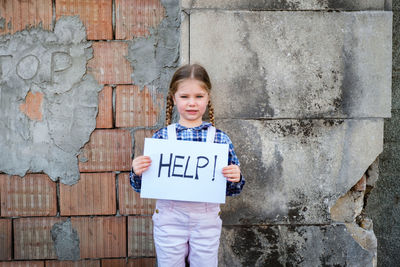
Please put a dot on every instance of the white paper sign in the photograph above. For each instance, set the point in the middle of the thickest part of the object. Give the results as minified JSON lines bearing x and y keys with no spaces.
{"x":185,"y":170}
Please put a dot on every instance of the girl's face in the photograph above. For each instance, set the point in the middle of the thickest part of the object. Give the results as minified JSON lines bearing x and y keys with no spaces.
{"x":191,"y":99}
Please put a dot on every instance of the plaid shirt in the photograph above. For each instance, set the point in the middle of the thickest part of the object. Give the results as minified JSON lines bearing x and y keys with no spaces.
{"x":198,"y":134}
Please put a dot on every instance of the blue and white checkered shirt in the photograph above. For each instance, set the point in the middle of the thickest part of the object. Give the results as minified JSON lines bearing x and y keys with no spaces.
{"x":198,"y":134}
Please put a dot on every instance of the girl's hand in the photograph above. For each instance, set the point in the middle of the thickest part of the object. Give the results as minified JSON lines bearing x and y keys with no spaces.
{"x":141,"y":164}
{"x":232,"y":173}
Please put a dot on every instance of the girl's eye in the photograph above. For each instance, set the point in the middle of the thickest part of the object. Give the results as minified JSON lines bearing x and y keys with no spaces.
{"x":183,"y":96}
{"x":200,"y":96}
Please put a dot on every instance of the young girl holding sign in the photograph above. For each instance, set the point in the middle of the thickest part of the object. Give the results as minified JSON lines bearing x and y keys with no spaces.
{"x":183,"y":228}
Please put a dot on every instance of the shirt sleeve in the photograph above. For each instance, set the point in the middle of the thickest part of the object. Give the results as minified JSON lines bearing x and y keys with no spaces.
{"x":136,"y":180}
{"x":233,"y":189}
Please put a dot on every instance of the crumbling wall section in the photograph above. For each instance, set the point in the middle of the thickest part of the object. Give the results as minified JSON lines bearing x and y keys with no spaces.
{"x":302,"y":92}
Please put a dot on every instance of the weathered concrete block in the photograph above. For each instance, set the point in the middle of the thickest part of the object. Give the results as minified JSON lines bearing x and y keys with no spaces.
{"x":296,"y":169}
{"x":295,"y":64}
{"x":286,"y":5}
{"x":291,"y":246}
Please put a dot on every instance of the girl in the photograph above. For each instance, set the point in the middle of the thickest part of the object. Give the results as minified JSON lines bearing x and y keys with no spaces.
{"x":183,"y":228}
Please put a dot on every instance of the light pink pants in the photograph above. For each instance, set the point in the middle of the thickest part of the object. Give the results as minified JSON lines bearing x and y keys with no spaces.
{"x":186,"y":228}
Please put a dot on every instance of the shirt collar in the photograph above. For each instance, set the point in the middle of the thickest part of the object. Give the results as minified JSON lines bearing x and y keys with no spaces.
{"x":204,"y":125}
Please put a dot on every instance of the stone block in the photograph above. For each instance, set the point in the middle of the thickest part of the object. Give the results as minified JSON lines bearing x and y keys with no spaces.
{"x":81,"y":263}
{"x":96,"y":15}
{"x":33,"y":195}
{"x":295,"y":170}
{"x":32,"y":238}
{"x":284,"y":5}
{"x":392,"y":127}
{"x":105,"y":116}
{"x":17,"y":15}
{"x":141,"y":262}
{"x":130,"y":202}
{"x":101,"y":237}
{"x":107,"y":150}
{"x":5,"y":239}
{"x":330,"y":245}
{"x":94,"y":194}
{"x":22,"y":264}
{"x":109,"y":64}
{"x":135,"y":18}
{"x":137,"y":108}
{"x":295,"y":64}
{"x":140,"y":236}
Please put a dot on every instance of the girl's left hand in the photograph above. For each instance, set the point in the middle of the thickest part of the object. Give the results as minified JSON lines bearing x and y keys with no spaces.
{"x":232,"y":173}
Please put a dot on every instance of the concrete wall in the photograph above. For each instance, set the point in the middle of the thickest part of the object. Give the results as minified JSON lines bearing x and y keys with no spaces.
{"x":383,"y":202}
{"x":302,"y":92}
{"x":301,"y":87}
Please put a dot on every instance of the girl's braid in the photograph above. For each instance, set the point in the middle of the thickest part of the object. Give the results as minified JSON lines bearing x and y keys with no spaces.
{"x":211,"y":113}
{"x":168,"y":110}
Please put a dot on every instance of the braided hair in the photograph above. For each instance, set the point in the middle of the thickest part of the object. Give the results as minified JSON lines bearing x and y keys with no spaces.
{"x":189,"y":71}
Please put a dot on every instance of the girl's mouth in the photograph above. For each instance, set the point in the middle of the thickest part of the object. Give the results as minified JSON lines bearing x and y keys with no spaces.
{"x":191,"y":111}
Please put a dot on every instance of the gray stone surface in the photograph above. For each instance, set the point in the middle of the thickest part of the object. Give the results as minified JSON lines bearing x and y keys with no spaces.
{"x":296,"y":169}
{"x":155,"y":58}
{"x":330,"y":245}
{"x":287,"y":5}
{"x":295,"y":64}
{"x":52,"y":64}
{"x":396,"y":89}
{"x":66,"y":241}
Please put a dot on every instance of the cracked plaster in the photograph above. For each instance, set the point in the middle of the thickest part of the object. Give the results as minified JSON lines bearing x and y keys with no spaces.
{"x":53,"y":65}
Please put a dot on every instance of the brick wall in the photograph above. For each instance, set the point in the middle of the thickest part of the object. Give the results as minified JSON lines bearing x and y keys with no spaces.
{"x":113,"y":224}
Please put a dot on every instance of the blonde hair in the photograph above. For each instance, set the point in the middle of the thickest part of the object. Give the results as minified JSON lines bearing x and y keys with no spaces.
{"x":189,"y":71}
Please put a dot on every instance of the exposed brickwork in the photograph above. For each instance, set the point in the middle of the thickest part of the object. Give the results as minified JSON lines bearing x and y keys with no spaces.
{"x":96,"y":15}
{"x":134,"y":18}
{"x":23,"y":264}
{"x":140,"y":236}
{"x":140,"y":135}
{"x":32,"y":238}
{"x":130,"y":201}
{"x":21,"y":14}
{"x":135,"y":107}
{"x":361,"y":185}
{"x":5,"y":239}
{"x":101,"y":237}
{"x":33,"y":195}
{"x":143,"y":262}
{"x":107,"y":150}
{"x":93,"y":194}
{"x":33,"y":106}
{"x":105,"y":116}
{"x":82,"y":263}
{"x":109,"y":65}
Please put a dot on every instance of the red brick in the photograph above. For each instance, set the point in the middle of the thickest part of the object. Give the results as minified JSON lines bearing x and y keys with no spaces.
{"x":134,"y":18}
{"x":21,"y":14}
{"x":32,"y":106}
{"x":143,"y":262}
{"x":33,"y":195}
{"x":361,"y":185}
{"x":130,"y":201}
{"x":140,"y":236}
{"x":22,"y":264}
{"x":93,"y":194}
{"x":5,"y":239}
{"x":32,"y":238}
{"x":101,"y":237}
{"x":107,"y":150}
{"x":96,"y":15}
{"x":82,"y":263}
{"x":135,"y":107}
{"x":105,"y":116}
{"x":109,"y":65}
{"x":140,"y":135}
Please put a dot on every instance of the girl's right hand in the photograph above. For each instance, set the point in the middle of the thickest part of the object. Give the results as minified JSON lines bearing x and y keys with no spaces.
{"x":141,"y":164}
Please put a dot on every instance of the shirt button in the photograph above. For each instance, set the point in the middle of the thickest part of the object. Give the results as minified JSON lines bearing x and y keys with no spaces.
{"x":157,"y":211}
